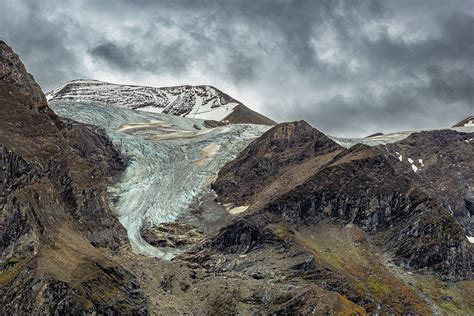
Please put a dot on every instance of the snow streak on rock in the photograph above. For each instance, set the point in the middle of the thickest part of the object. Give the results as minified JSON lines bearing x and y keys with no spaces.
{"x":173,"y":161}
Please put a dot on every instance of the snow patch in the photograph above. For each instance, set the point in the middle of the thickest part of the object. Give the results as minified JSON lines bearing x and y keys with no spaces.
{"x":239,"y":209}
{"x":415,"y":168}
{"x":471,"y":239}
{"x":469,"y":124}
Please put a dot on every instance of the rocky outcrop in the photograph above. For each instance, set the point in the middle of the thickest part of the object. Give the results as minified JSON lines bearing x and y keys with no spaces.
{"x":172,"y":235}
{"x":13,"y":71}
{"x":241,"y":236}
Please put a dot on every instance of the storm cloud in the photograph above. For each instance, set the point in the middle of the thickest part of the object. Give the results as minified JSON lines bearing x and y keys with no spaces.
{"x":350,"y":68}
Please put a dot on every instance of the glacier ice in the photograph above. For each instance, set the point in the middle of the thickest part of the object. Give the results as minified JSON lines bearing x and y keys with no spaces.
{"x":172,"y":160}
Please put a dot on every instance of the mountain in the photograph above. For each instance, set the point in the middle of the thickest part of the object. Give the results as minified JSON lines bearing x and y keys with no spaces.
{"x":202,"y":102}
{"x":365,"y":186}
{"x":54,"y":216}
{"x":110,"y":210}
{"x":276,"y":161}
{"x":467,"y":122}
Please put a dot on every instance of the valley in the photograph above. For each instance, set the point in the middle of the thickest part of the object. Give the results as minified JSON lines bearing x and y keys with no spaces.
{"x":121,"y":199}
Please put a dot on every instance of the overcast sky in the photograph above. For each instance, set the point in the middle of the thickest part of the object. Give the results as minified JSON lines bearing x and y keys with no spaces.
{"x":346,"y":67}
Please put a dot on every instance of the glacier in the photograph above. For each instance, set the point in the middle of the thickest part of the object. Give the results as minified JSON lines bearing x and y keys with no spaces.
{"x":173,"y":160}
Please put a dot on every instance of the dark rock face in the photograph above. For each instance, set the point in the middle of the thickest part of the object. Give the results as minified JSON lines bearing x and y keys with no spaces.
{"x":444,"y":167}
{"x":362,"y":187}
{"x":241,"y":236}
{"x":173,"y":235}
{"x":266,"y":158}
{"x":111,"y":291}
{"x":13,"y":71}
{"x":53,"y":179}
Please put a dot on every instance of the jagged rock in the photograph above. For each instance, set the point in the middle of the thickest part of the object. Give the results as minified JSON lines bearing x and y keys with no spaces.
{"x":241,"y":236}
{"x":172,"y":235}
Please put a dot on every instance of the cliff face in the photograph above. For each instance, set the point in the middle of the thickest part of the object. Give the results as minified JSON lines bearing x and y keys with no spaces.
{"x":14,"y":72}
{"x":441,"y":161}
{"x":54,"y":174}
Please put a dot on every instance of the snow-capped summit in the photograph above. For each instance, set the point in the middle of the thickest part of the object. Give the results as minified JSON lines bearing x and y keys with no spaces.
{"x":202,"y":102}
{"x":467,"y":122}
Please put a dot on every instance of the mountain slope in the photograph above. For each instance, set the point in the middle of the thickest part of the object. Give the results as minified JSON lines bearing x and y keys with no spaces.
{"x":202,"y":102}
{"x":360,"y":221}
{"x":264,"y":161}
{"x":53,"y":212}
{"x":360,"y":185}
{"x":441,"y":160}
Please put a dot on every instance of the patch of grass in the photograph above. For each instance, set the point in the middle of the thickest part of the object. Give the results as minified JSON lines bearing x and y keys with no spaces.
{"x":453,"y":298}
{"x":13,"y":267}
{"x":378,"y":287}
{"x":359,"y":265}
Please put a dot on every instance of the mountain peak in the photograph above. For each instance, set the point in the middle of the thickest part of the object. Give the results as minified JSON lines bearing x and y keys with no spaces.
{"x":201,"y":102}
{"x":467,"y":122}
{"x":13,"y":71}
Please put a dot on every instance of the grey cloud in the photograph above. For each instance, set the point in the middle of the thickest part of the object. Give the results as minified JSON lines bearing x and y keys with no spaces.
{"x":120,"y":56}
{"x":42,"y":44}
{"x":347,"y":67}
